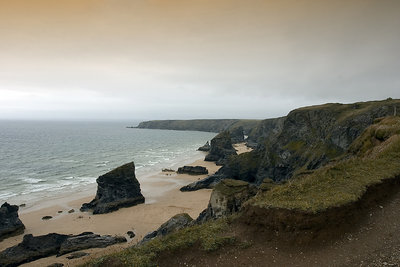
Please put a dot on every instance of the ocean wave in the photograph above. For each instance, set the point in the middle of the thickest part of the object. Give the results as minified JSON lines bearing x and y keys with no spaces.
{"x":30,"y":180}
{"x":6,"y":195}
{"x":102,"y":162}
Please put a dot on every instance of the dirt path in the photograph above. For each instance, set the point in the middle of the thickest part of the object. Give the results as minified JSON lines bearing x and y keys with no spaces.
{"x":375,"y":241}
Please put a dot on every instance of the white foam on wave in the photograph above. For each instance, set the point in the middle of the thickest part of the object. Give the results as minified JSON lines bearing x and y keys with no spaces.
{"x":30,"y":180}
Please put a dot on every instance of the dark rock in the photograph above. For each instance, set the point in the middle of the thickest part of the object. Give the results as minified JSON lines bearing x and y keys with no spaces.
{"x":197,"y":170}
{"x":60,"y":211}
{"x":22,"y":205}
{"x":116,"y":189}
{"x":267,"y":129}
{"x":176,"y":223}
{"x":167,"y":170}
{"x":88,"y":240}
{"x":205,"y":148}
{"x":10,"y":224}
{"x":77,"y":255}
{"x":45,"y":218}
{"x":131,"y":234}
{"x":208,"y":182}
{"x":148,"y":237}
{"x":237,"y":135}
{"x":32,"y":248}
{"x":226,"y":199}
{"x":71,"y":211}
{"x":221,"y":148}
{"x":56,"y":265}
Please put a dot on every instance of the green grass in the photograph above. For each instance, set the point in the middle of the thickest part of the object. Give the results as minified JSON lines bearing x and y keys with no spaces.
{"x":209,"y":237}
{"x":230,"y":187}
{"x":295,"y":145}
{"x":341,"y":183}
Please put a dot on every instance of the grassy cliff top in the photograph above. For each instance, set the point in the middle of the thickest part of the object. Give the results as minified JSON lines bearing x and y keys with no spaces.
{"x":345,"y":181}
{"x":345,"y":111}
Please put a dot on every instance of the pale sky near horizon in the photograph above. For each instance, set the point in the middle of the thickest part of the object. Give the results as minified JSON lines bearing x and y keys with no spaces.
{"x":187,"y":59}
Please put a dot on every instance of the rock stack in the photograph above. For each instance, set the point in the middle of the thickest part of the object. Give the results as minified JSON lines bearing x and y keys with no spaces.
{"x":116,"y":189}
{"x":10,"y":224}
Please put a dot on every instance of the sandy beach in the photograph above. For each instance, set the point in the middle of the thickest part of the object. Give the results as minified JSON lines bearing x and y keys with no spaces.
{"x":163,"y":200}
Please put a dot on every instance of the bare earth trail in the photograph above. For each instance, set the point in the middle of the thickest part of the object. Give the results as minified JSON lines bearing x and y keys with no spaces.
{"x":373,"y":241}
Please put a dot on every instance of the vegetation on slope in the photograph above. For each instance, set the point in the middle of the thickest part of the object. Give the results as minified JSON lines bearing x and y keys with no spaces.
{"x":208,"y":237}
{"x":347,"y":180}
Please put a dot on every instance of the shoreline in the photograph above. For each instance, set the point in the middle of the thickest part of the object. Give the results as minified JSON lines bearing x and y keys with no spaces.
{"x":64,"y":197}
{"x":163,"y":200}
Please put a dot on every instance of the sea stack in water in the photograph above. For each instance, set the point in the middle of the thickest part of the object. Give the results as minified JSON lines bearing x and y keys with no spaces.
{"x":116,"y":189}
{"x":10,"y":224}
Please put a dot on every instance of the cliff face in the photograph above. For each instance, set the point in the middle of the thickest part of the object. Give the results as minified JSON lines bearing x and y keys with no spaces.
{"x":215,"y":126}
{"x":301,"y":142}
{"x":305,"y":140}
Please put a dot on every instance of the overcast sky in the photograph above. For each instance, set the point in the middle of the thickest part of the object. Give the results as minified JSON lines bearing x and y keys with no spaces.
{"x":185,"y":59}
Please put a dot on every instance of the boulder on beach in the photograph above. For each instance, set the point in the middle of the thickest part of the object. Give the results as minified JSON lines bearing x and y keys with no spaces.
{"x":88,"y":240}
{"x":10,"y":224}
{"x":116,"y":189}
{"x":193,"y":170}
{"x":36,"y":247}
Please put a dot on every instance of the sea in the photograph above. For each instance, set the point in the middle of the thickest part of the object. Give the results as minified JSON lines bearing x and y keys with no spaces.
{"x":43,"y":159}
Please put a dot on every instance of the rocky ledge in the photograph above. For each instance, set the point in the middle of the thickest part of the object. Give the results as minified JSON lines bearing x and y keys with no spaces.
{"x":226,"y":199}
{"x":193,"y":170}
{"x":32,"y":248}
{"x":116,"y":189}
{"x":10,"y":224}
{"x":177,"y":222}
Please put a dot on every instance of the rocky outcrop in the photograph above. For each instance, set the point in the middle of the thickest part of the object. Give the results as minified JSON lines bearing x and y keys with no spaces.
{"x":117,"y":189}
{"x":10,"y":224}
{"x":226,"y":199}
{"x":205,"y":148}
{"x":88,"y":240}
{"x":237,"y":135}
{"x":221,"y":148}
{"x":193,"y":170}
{"x":32,"y":248}
{"x":177,"y":222}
